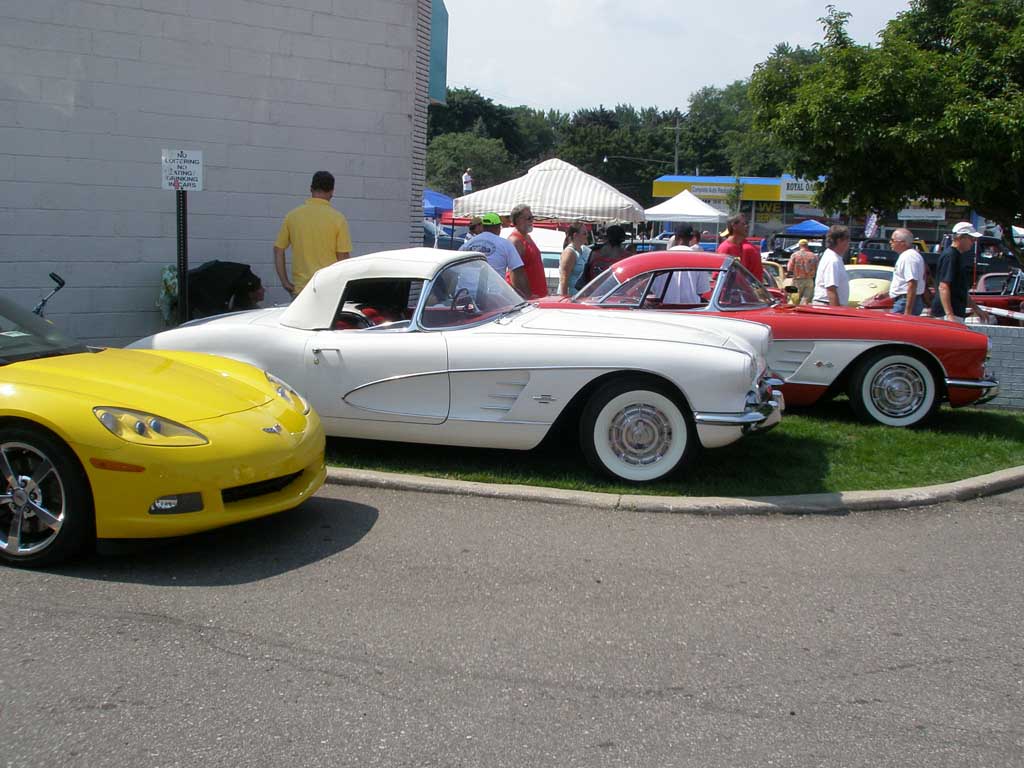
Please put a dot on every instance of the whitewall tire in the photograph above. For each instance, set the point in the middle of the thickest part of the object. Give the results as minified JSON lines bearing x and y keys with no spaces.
{"x":634,"y":430}
{"x":896,"y":390}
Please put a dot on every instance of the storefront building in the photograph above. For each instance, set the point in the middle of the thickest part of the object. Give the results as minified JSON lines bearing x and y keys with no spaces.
{"x":772,"y":204}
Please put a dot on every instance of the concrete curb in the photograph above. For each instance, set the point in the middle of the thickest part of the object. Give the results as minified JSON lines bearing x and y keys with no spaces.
{"x":811,"y":503}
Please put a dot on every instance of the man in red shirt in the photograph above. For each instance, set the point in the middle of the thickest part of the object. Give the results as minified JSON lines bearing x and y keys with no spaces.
{"x":522,"y":220}
{"x":736,"y":245}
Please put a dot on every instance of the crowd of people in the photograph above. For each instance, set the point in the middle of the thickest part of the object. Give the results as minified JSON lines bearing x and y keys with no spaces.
{"x":318,"y":235}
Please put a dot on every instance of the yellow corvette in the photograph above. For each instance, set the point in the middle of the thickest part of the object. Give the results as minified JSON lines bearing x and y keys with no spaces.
{"x":117,"y":444}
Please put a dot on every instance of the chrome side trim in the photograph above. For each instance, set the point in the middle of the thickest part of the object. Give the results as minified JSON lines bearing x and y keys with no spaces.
{"x":399,"y":377}
{"x":973,"y":383}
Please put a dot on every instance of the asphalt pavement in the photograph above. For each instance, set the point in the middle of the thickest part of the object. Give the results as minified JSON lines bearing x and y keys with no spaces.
{"x":379,"y":627}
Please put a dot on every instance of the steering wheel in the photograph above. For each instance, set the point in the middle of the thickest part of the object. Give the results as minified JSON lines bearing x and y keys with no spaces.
{"x":463,"y":294}
{"x":351,"y":320}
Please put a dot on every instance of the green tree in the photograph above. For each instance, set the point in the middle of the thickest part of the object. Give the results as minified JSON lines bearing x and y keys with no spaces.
{"x":537,"y":137}
{"x":935,"y":110}
{"x":449,"y":154}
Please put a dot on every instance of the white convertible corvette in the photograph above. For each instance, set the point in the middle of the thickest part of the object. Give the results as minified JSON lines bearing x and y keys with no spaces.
{"x":433,"y":346}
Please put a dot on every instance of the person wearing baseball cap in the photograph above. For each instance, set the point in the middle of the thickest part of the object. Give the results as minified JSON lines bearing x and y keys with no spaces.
{"x":953,"y":277}
{"x":500,"y":253}
{"x":803,"y":266}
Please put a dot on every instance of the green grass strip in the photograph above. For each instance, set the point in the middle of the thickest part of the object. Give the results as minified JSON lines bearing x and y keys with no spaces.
{"x":821,"y":451}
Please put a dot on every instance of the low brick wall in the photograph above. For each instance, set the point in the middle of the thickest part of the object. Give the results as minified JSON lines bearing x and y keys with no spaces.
{"x":1006,"y":364}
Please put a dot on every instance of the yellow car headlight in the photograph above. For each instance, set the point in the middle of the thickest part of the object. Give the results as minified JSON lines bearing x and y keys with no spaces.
{"x":288,"y":393}
{"x":146,"y":428}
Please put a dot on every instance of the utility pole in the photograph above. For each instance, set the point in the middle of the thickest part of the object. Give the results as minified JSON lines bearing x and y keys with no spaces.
{"x":677,"y":127}
{"x":677,"y":146}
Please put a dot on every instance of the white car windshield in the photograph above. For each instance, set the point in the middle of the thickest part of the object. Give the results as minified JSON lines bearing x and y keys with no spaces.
{"x":731,"y":289}
{"x":466,"y":293}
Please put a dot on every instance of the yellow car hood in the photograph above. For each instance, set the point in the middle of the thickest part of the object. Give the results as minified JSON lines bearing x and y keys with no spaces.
{"x":145,"y":381}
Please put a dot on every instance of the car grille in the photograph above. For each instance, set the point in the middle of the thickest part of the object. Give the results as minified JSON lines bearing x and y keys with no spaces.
{"x":262,"y":488}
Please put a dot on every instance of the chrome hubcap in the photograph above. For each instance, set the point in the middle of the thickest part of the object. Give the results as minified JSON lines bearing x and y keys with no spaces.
{"x":898,"y":390}
{"x":32,"y":500}
{"x":640,"y":434}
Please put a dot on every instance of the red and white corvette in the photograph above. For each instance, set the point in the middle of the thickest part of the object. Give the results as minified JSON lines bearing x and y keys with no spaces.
{"x":897,"y":370}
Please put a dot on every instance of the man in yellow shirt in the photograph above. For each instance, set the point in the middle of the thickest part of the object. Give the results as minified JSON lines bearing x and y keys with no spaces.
{"x":317,"y":233}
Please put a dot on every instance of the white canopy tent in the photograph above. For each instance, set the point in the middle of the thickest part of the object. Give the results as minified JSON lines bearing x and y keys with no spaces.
{"x":554,"y":190}
{"x":685,"y":206}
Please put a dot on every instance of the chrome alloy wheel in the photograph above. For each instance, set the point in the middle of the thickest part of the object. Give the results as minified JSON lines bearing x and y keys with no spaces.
{"x":640,"y":434}
{"x":898,"y":390}
{"x":32,"y":500}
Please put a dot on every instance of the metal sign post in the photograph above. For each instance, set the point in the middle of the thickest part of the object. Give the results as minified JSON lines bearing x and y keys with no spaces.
{"x":182,"y":172}
{"x":181,"y":209}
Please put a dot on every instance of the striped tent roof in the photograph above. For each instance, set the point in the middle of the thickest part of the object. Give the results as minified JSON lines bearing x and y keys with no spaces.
{"x":554,"y":190}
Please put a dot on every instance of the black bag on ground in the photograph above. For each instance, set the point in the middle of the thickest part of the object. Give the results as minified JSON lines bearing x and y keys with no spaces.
{"x":217,"y":287}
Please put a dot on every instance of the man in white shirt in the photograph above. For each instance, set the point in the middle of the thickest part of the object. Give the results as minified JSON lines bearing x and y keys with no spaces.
{"x":907,"y":286}
{"x":500,"y":253}
{"x":685,"y":286}
{"x":831,"y":283}
{"x":467,"y":182}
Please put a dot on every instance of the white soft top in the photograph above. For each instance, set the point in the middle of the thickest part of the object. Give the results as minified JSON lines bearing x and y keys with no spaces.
{"x":315,"y":306}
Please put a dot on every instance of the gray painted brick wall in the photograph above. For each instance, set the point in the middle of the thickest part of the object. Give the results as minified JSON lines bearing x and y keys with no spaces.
{"x":270,"y":91}
{"x":1006,"y":364}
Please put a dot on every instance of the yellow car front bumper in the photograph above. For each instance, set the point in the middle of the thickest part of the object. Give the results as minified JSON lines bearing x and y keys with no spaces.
{"x":247,"y":470}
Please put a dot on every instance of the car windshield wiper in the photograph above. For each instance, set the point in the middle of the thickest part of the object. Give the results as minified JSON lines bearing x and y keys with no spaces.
{"x":512,"y":310}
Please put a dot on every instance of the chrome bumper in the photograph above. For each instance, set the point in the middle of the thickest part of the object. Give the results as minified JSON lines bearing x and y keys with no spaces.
{"x":988,"y":384}
{"x":759,"y":416}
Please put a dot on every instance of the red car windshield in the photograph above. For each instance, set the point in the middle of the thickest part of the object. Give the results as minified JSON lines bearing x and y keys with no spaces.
{"x":731,"y":289}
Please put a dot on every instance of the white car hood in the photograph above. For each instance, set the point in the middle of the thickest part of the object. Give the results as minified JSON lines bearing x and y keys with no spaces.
{"x":751,"y":338}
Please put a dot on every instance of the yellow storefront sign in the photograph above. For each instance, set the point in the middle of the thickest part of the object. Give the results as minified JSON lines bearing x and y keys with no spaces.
{"x":768,"y":191}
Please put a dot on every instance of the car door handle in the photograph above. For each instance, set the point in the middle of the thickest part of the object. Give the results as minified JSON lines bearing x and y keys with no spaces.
{"x":318,"y":351}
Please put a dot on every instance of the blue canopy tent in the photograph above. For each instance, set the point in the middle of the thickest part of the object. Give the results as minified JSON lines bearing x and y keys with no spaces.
{"x":809,"y":228}
{"x":434,"y":204}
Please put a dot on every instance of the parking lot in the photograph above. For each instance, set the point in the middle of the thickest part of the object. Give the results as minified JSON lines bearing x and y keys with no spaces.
{"x":374,"y":627}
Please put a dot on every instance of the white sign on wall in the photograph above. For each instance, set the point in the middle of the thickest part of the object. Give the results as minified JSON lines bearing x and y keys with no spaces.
{"x":182,"y":170}
{"x":711,"y":190}
{"x":922,"y":214}
{"x":796,"y":190}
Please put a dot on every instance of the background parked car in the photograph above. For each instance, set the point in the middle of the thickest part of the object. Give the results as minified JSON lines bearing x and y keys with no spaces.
{"x":1003,"y":294}
{"x":786,"y":247}
{"x":993,"y":282}
{"x":867,"y":282}
{"x":444,"y":238}
{"x":895,"y":370}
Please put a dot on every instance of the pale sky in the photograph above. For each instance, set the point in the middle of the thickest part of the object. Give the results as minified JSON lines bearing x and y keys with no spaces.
{"x":567,"y":54}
